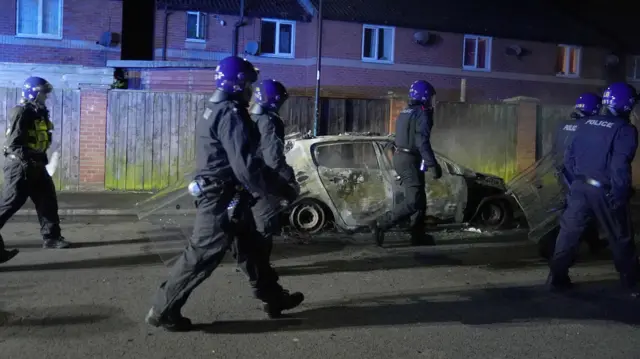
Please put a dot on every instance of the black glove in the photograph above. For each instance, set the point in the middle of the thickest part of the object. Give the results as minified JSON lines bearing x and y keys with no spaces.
{"x":435,"y":171}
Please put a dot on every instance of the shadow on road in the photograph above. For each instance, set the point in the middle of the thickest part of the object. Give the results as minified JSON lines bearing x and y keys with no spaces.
{"x":73,"y":321}
{"x":514,"y":305}
{"x":520,"y":257}
{"x":154,"y":255}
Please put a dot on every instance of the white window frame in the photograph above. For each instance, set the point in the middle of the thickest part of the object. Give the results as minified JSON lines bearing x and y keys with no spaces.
{"x":201,"y":16}
{"x":635,"y":75}
{"x":375,"y":29}
{"x":566,"y":48}
{"x":488,"y":52}
{"x":40,"y":35}
{"x":277,"y":53}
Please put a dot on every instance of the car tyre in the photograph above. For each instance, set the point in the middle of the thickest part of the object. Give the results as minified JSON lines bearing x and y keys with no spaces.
{"x":495,"y":214}
{"x":308,"y":216}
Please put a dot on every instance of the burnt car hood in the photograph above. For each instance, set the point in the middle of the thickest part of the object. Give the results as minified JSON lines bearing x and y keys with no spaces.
{"x":479,"y":178}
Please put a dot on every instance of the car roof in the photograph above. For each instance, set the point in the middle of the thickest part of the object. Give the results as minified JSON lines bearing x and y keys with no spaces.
{"x":350,"y":137}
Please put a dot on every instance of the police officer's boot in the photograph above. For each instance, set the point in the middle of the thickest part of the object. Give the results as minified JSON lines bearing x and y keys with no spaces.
{"x":377,"y":233}
{"x":558,"y":283}
{"x":280,"y":301}
{"x":6,"y":255}
{"x":56,"y":243}
{"x":173,"y":322}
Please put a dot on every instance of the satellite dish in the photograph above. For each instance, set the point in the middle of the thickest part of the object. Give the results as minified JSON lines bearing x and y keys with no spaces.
{"x":251,"y":48}
{"x":422,"y":37}
{"x":514,"y":50}
{"x":109,"y":39}
{"x":611,"y":60}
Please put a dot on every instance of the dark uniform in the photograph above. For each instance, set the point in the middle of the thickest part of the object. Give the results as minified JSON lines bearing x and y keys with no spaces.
{"x":25,"y":174}
{"x":271,"y":149}
{"x":413,"y":146}
{"x":599,"y":160}
{"x":563,"y":137}
{"x":225,"y":161}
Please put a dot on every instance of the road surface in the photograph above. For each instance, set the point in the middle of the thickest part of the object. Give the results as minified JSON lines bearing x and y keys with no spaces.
{"x":465,"y":298}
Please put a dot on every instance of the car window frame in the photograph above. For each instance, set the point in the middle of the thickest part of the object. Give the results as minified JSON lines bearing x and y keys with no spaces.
{"x":372,"y":142}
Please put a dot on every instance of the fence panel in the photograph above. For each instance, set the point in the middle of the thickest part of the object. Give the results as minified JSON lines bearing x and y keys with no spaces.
{"x":549,"y":118}
{"x":479,"y":136}
{"x":64,"y":112}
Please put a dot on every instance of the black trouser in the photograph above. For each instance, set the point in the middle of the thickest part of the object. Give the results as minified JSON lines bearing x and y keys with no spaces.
{"x":27,"y":179}
{"x":265,"y":215}
{"x":584,"y":204}
{"x":591,"y":236}
{"x":414,"y":204}
{"x":212,"y":237}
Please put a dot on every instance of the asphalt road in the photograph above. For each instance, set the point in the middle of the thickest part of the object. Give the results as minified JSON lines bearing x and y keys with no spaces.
{"x":465,"y":298}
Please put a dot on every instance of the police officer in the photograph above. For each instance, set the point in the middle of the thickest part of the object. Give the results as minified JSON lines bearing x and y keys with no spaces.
{"x":28,"y":138}
{"x":269,"y":95}
{"x":599,"y":161}
{"x":226,"y":163}
{"x":412,"y":158}
{"x":588,"y":104}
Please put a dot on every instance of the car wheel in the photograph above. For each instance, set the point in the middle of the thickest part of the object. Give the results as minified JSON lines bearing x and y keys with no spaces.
{"x":308,"y":216}
{"x":495,"y":214}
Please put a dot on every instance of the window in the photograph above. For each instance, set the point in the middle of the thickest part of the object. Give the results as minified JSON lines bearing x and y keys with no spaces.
{"x":377,"y":43}
{"x":635,"y":74}
{"x":476,"y":53}
{"x":568,"y":61}
{"x":39,"y":18}
{"x":351,"y":155}
{"x":277,"y":38}
{"x":196,"y":26}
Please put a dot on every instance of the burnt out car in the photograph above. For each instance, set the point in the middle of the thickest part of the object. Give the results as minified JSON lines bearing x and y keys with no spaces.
{"x":349,"y":180}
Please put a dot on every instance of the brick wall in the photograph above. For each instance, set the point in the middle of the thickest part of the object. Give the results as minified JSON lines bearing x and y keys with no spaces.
{"x":350,"y":73}
{"x":93,"y":129}
{"x":83,"y":21}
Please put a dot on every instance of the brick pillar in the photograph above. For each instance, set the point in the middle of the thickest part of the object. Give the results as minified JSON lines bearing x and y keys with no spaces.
{"x":395,"y":106}
{"x":93,"y":131}
{"x":526,"y":135}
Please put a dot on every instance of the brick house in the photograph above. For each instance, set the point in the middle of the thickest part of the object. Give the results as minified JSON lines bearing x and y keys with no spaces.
{"x":59,"y":40}
{"x":373,"y":49}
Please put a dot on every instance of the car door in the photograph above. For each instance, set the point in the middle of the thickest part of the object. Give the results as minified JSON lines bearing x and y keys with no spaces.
{"x":445,"y":196}
{"x":351,"y":174}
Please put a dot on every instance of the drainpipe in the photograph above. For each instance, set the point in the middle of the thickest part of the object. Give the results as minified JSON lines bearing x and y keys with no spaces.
{"x":165,"y":32}
{"x":316,"y":117}
{"x":236,"y":30}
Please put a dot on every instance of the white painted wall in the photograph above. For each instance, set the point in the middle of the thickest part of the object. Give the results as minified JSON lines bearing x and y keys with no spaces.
{"x":60,"y":76}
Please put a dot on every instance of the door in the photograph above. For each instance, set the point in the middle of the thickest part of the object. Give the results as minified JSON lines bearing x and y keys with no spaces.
{"x":445,"y":196}
{"x":350,"y":172}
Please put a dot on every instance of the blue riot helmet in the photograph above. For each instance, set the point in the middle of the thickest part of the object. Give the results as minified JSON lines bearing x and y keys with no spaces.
{"x":234,"y":76}
{"x":36,"y":90}
{"x":619,"y":98}
{"x":588,"y":104}
{"x":270,"y":94}
{"x":421,"y":92}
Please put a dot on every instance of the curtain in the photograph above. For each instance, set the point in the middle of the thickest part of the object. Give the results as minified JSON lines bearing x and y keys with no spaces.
{"x":51,"y":17}
{"x":28,"y":17}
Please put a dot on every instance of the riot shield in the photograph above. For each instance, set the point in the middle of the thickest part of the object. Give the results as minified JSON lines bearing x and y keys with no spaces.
{"x":172,"y":213}
{"x":540,"y":195}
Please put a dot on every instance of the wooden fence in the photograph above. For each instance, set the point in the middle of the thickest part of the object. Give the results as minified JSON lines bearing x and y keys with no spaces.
{"x":64,"y":107}
{"x":150,"y":135}
{"x":479,"y":136}
{"x":549,"y":118}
